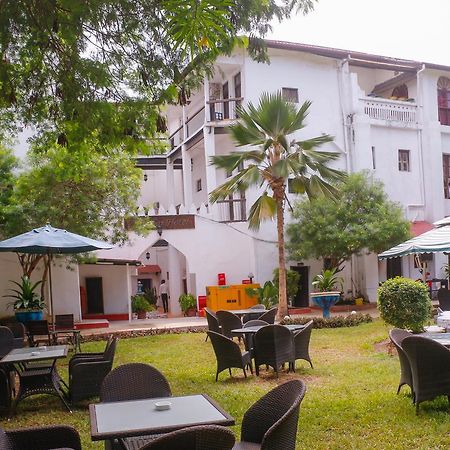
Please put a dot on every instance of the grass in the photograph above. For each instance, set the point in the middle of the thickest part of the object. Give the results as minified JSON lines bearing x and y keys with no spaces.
{"x":351,"y":400}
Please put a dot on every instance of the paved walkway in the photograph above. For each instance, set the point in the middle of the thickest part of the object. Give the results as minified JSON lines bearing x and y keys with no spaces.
{"x":191,"y":322}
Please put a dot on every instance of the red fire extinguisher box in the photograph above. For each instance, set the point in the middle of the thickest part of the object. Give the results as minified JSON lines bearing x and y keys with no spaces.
{"x":221,"y":280}
{"x":201,"y":305}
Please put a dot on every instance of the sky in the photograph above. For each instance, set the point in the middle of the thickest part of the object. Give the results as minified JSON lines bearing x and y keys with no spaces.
{"x":409,"y":29}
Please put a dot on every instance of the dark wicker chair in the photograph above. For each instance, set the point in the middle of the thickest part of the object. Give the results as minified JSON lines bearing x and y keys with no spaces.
{"x":134,"y":381}
{"x":38,"y":333}
{"x":19,"y":333}
{"x":228,"y":321}
{"x":228,"y":354}
{"x":301,"y":344}
{"x":213,"y":322}
{"x":273,"y":346}
{"x":5,"y":391}
{"x":249,"y":337}
{"x":40,"y":438}
{"x":443,"y":296}
{"x":397,"y":336}
{"x":271,"y":423}
{"x":86,"y":373}
{"x":6,"y":341}
{"x":259,"y":309}
{"x":430,"y":368}
{"x":269,"y":316}
{"x":204,"y":437}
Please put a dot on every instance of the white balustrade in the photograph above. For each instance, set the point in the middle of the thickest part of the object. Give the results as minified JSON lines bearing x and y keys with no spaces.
{"x":390,"y":110}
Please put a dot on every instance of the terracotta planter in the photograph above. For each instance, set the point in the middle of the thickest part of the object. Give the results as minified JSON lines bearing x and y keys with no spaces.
{"x":191,"y":312}
{"x":142,"y":314}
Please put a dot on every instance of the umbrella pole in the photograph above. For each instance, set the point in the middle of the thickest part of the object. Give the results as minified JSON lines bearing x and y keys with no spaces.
{"x":50,"y":285}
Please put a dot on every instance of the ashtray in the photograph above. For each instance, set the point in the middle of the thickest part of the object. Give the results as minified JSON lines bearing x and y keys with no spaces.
{"x":161,"y":406}
{"x":35,"y":353}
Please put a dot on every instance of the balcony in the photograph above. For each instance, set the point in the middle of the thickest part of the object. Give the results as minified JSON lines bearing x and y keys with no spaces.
{"x":232,"y":210}
{"x":223,"y":109}
{"x":390,"y":110}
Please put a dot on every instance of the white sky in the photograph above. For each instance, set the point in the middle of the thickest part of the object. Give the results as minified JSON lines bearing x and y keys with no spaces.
{"x":410,"y":29}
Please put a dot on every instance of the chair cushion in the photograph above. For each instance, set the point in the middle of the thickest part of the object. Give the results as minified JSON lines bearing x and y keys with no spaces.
{"x":246,"y":446}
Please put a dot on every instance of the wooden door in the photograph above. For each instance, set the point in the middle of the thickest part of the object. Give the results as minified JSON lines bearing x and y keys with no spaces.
{"x":94,"y":294}
{"x":226,"y":105}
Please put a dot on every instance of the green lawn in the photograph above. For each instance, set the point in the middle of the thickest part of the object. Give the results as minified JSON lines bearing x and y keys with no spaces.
{"x":350,"y":401}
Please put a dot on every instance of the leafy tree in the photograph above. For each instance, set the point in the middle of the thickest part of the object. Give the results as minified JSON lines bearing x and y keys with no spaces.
{"x":104,"y":67}
{"x":7,"y":179}
{"x":292,"y":280}
{"x":362,"y":219}
{"x":277,"y":157}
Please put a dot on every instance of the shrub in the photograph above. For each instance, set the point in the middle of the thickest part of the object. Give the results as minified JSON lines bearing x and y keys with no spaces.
{"x":187,"y":301}
{"x":139,"y":304}
{"x":266,"y":295}
{"x":404,"y":303}
{"x":292,"y":283}
{"x":333,"y":322}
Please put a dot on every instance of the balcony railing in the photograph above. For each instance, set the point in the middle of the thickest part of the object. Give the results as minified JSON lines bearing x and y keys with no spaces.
{"x":223,"y":109}
{"x":390,"y":110}
{"x":192,"y":125}
{"x":232,"y":210}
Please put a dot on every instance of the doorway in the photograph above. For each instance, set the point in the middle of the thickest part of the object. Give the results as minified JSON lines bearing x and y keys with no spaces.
{"x":302,"y":298}
{"x":394,"y":268}
{"x":94,"y":295}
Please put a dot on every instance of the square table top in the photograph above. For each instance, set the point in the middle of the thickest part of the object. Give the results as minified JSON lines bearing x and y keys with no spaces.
{"x":442,"y":338}
{"x":243,"y":312}
{"x":35,"y":354}
{"x":252,"y":330}
{"x":140,"y":417}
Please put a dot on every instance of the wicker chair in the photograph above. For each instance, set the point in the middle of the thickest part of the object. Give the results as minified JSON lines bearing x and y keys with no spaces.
{"x":249,"y":337}
{"x":397,"y":336}
{"x":6,"y":341}
{"x":213,"y":322}
{"x":40,"y":438}
{"x":19,"y":333}
{"x":271,"y":423}
{"x":301,"y":344}
{"x":38,"y":333}
{"x":273,"y":346}
{"x":269,"y":316}
{"x":443,"y":296}
{"x":228,"y":321}
{"x":430,"y":368}
{"x":228,"y":354}
{"x":134,"y":381}
{"x":204,"y":437}
{"x":86,"y":373}
{"x":259,"y":309}
{"x":5,"y":391}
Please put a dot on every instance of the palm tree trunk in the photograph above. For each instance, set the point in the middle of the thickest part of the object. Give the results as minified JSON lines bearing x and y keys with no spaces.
{"x":282,"y":293}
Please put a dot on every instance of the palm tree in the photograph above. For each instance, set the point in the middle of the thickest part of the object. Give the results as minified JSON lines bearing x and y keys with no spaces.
{"x":267,"y":126}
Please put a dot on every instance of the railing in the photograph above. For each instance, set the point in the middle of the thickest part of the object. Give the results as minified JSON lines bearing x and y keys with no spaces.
{"x":223,"y":109}
{"x":232,"y":210}
{"x":192,"y":124}
{"x":390,"y":110}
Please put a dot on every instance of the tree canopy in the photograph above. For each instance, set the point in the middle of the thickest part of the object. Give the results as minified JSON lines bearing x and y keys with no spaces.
{"x":362,"y":219}
{"x":72,"y":68}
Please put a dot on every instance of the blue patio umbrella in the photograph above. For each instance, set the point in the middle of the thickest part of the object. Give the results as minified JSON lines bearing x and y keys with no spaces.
{"x":49,"y":241}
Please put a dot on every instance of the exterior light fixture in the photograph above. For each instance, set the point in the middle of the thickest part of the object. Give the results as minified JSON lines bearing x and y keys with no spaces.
{"x":147,"y":255}
{"x":251,"y":276}
{"x":145,"y":177}
{"x":159,"y":229}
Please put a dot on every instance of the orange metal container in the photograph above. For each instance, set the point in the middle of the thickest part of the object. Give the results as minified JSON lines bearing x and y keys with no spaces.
{"x":230,"y":297}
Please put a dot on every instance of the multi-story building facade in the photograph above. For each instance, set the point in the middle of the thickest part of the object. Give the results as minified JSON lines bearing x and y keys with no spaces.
{"x":388,"y":116}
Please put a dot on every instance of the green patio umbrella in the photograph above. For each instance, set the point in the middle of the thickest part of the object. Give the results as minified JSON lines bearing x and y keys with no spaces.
{"x":49,"y":241}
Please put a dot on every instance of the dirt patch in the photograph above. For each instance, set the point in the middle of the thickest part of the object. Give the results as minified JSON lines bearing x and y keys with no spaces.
{"x":385,"y":346}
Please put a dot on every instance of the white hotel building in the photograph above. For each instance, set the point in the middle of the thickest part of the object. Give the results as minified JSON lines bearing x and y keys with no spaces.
{"x":388,"y":116}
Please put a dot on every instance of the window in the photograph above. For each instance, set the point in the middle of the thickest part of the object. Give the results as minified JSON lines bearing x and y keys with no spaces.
{"x":237,"y":89}
{"x":373,"y":158}
{"x":199,"y":185}
{"x":446,"y":170}
{"x":403,"y":161}
{"x":443,"y":93}
{"x":290,"y":94}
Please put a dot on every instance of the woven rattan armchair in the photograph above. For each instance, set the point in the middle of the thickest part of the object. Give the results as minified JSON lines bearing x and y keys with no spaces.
{"x":269,"y":316}
{"x":6,"y":345}
{"x":19,"y":333}
{"x":228,"y":354}
{"x":213,"y":322}
{"x":301,"y":344}
{"x":443,"y":296}
{"x":271,"y":423}
{"x":38,"y":333}
{"x":203,"y":437}
{"x":259,"y":309}
{"x":40,"y":438}
{"x":273,"y":346}
{"x":430,"y":368}
{"x":5,"y":391}
{"x":397,"y":336}
{"x":228,"y":321}
{"x":249,"y":337}
{"x":86,"y":374}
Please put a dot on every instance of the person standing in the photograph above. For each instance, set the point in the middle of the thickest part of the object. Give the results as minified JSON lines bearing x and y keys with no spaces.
{"x":164,"y":295}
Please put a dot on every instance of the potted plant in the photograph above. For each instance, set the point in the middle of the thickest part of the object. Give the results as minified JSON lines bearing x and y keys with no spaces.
{"x":27,"y":304}
{"x":188,"y":304}
{"x":140,"y":305}
{"x":326,"y":283}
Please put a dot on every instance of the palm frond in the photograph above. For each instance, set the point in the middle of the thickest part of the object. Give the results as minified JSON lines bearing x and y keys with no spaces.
{"x":264,"y":208}
{"x":233,"y":160}
{"x":309,"y":144}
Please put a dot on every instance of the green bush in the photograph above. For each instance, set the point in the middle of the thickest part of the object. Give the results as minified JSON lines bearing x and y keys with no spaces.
{"x":187,"y":301}
{"x":333,"y":322}
{"x":139,"y":304}
{"x":266,"y":295}
{"x":292,"y":283}
{"x":404,"y":303}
